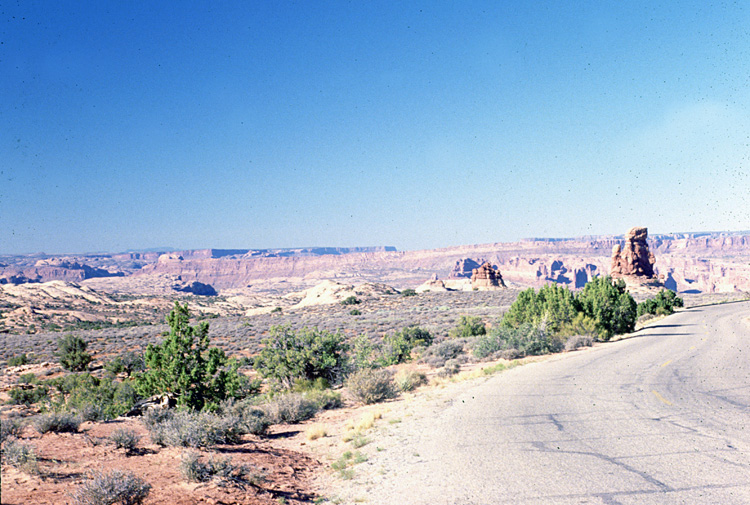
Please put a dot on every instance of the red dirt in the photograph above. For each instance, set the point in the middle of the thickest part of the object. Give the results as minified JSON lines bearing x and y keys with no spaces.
{"x":66,"y":460}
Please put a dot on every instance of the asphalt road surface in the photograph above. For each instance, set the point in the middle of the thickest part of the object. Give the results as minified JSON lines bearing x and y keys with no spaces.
{"x":659,"y":418}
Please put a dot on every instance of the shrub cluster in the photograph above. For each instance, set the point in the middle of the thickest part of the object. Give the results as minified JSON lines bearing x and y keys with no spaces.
{"x":602,"y":305}
{"x":468,"y":326}
{"x":192,"y":429}
{"x":220,"y":469}
{"x":309,"y":354}
{"x":371,"y":385}
{"x":662,"y":305}
{"x":110,"y":488}
{"x":20,"y":456}
{"x":527,"y":340}
{"x":125,"y":439}
{"x":56,"y":422}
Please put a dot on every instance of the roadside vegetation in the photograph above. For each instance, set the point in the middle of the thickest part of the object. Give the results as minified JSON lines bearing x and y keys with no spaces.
{"x":221,"y":400}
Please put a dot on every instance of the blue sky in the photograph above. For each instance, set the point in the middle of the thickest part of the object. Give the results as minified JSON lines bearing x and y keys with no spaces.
{"x":416,"y":124}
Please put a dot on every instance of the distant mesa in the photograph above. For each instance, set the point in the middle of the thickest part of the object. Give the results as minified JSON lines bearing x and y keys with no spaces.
{"x":196,"y":288}
{"x":486,"y":277}
{"x":463,"y":269}
{"x":634,"y":258}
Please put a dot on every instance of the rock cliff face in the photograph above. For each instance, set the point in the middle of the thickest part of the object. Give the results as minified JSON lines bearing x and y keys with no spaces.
{"x":634,"y":258}
{"x":62,"y":269}
{"x":464,"y":268}
{"x":486,"y":277}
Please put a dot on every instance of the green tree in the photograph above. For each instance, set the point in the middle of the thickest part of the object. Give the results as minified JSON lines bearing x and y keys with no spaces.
{"x":184,"y":365}
{"x":307,"y":354}
{"x":71,"y":350}
{"x":663,"y":303}
{"x":609,"y":305}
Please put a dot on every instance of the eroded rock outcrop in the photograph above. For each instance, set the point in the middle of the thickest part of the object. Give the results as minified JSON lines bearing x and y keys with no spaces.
{"x":463,"y":269}
{"x":634,"y":258}
{"x":486,"y":277}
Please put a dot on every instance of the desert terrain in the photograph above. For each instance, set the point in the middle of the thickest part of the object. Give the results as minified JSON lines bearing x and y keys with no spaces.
{"x":117,"y":303}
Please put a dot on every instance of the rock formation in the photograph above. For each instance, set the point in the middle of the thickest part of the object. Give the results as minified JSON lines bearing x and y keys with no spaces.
{"x":634,"y":259}
{"x":196,"y":288}
{"x":434,"y":284}
{"x":463,"y":269}
{"x":486,"y":277}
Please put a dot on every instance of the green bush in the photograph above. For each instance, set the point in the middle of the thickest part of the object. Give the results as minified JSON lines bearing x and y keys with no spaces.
{"x":128,"y":362}
{"x":97,"y":398}
{"x":663,"y":304}
{"x":397,"y":347}
{"x":609,"y":305}
{"x":527,"y":339}
{"x":436,"y":355}
{"x":355,"y":312}
{"x":71,"y":350}
{"x":371,"y":386}
{"x":309,"y":354}
{"x":25,"y":395}
{"x":19,"y":360}
{"x":408,"y":292}
{"x":350,"y":300}
{"x":111,"y":488}
{"x":553,"y":304}
{"x":468,"y":326}
{"x":183,"y":364}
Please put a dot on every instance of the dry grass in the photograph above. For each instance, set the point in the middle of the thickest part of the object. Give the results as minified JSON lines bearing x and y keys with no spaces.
{"x":315,"y":432}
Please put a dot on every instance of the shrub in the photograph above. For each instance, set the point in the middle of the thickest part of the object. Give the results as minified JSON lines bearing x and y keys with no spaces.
{"x":125,"y":439}
{"x":436,"y":355}
{"x":553,"y":304}
{"x":10,"y":428}
{"x":529,"y":340}
{"x":290,"y":408}
{"x":578,"y":341}
{"x":21,"y":359}
{"x":610,"y":306}
{"x":408,"y":380}
{"x":21,"y":456}
{"x":408,"y":292}
{"x":371,"y":386}
{"x":363,"y":353}
{"x":397,"y":347}
{"x":92,"y":397}
{"x":199,"y":376}
{"x":194,"y":429}
{"x":355,"y":312}
{"x":468,"y":326}
{"x":324,"y":400}
{"x":56,"y":423}
{"x":451,"y":368}
{"x":223,"y":470}
{"x":71,"y":350}
{"x":309,"y":354}
{"x":663,"y":304}
{"x":110,"y":488}
{"x":25,"y":395}
{"x":350,"y":300}
{"x":253,"y":419}
{"x":128,"y":362}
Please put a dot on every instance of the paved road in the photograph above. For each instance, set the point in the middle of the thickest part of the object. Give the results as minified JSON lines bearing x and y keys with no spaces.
{"x":662,"y":418}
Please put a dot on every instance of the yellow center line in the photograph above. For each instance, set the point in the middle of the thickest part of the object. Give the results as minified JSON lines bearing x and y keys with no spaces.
{"x":660,"y":397}
{"x":666,"y":363}
{"x":691,"y":348}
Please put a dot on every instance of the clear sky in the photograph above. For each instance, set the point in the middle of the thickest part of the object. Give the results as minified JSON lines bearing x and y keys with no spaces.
{"x":254,"y":124}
